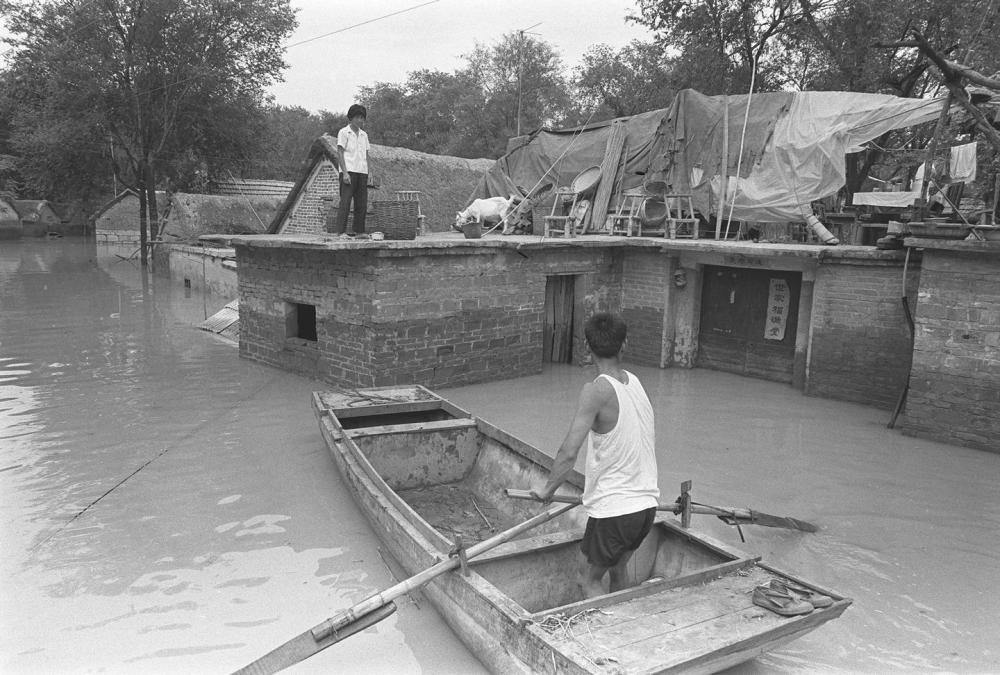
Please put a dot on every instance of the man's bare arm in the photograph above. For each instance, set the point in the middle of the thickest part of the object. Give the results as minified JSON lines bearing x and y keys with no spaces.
{"x":592,"y":398}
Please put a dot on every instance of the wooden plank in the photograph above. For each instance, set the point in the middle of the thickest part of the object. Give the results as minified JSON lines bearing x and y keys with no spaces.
{"x":711,"y":641}
{"x":537,"y":544}
{"x":649,"y":588}
{"x":418,"y":427}
{"x":384,"y":409}
{"x":672,"y":609}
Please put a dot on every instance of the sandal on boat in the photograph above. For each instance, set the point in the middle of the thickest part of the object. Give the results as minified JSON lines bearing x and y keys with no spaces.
{"x":817,"y":600}
{"x":779,"y":602}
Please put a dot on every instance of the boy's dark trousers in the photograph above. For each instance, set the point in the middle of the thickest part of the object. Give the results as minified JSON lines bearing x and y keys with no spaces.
{"x":356,"y":190}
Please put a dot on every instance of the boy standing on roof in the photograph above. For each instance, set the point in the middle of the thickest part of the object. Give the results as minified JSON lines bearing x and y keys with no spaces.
{"x":352,"y":150}
{"x":620,"y":490}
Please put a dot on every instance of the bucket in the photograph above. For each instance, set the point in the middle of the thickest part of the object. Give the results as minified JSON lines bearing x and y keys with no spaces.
{"x":652,"y":212}
{"x":472,"y":230}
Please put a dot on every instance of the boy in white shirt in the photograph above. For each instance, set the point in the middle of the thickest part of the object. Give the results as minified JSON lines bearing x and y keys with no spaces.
{"x":352,"y":150}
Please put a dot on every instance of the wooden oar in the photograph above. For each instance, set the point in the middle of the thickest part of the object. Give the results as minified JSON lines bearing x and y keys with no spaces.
{"x":376,"y":607}
{"x":731,"y":515}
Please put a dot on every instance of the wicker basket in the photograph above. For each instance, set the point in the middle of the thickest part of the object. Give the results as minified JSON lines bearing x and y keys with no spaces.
{"x":396,"y":219}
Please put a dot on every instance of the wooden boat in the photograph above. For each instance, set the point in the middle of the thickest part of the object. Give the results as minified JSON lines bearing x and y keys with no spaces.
{"x":426,"y":473}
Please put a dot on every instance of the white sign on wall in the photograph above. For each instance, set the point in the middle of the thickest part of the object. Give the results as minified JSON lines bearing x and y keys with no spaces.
{"x":778,"y":298}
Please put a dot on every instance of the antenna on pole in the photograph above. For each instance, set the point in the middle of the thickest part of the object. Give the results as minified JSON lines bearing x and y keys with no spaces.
{"x":520,"y":48}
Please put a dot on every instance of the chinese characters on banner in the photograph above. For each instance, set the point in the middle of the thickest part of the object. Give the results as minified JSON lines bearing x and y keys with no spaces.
{"x":778,"y":298}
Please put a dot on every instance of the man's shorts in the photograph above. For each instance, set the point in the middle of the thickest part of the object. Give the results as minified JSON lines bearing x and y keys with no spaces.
{"x":606,"y":540}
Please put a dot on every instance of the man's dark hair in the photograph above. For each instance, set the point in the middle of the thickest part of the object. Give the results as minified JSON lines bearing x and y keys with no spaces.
{"x":605,"y":333}
{"x":355,"y":110}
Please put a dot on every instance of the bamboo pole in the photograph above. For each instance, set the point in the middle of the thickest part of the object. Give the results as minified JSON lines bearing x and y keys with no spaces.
{"x":724,"y":184}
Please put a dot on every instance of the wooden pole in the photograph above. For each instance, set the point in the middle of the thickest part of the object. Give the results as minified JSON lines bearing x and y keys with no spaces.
{"x":724,"y":185}
{"x":376,"y":607}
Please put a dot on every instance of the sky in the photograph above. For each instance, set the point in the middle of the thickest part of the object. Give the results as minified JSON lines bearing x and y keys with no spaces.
{"x":326,"y":73}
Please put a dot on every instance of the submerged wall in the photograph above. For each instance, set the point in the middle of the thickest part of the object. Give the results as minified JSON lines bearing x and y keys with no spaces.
{"x":443,"y":311}
{"x":438,"y":315}
{"x":954,"y":393}
{"x":860,"y":345}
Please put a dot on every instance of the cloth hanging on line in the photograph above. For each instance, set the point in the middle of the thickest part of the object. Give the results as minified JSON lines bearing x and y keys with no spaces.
{"x":963,"y":163}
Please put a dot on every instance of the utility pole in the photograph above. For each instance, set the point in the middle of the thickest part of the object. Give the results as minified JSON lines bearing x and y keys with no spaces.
{"x":520,"y":49}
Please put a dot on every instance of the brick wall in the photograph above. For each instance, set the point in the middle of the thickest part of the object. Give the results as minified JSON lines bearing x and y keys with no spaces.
{"x":860,"y":346}
{"x":954,"y":391}
{"x":318,"y":197}
{"x":644,"y":276}
{"x":438,"y":317}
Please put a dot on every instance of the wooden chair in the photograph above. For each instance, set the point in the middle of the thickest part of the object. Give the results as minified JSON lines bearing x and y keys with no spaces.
{"x":625,"y":220}
{"x":682,"y":222}
{"x":560,"y":220}
{"x":412,"y":196}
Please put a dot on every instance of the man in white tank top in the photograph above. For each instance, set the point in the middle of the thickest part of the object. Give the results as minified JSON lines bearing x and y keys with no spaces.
{"x":620,"y":490}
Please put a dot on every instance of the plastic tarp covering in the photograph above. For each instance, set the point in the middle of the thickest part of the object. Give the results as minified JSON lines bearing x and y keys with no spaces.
{"x":793,"y":149}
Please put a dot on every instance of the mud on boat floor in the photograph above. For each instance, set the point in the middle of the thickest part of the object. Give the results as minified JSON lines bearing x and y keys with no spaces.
{"x":454,"y":509}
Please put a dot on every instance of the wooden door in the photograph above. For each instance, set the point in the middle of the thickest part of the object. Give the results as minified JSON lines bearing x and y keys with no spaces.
{"x":557,"y":331}
{"x":748,"y":321}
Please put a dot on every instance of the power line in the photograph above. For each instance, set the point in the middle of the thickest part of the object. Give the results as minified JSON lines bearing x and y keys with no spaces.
{"x":363,"y":23}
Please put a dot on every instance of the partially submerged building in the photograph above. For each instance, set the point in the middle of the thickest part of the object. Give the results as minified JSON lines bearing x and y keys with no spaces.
{"x":442,"y":310}
{"x":38,"y":218}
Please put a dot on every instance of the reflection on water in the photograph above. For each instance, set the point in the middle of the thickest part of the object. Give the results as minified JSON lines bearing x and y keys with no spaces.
{"x":167,"y":507}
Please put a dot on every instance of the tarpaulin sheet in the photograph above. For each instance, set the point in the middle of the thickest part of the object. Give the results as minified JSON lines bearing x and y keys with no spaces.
{"x":793,"y":147}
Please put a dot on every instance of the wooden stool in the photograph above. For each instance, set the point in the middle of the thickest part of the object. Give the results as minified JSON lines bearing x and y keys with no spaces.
{"x":558,"y":223}
{"x":626,"y":219}
{"x":681,"y":219}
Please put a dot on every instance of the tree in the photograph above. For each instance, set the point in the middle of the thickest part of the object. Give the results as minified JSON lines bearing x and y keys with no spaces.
{"x":156,"y":78}
{"x":719,"y":42}
{"x":519,"y":68}
{"x":634,"y":79}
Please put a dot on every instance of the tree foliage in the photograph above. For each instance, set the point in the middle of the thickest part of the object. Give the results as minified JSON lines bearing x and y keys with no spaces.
{"x":631,"y":80}
{"x":158,"y":79}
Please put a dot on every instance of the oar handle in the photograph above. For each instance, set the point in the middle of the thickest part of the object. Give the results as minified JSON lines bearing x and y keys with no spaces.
{"x":373,"y":602}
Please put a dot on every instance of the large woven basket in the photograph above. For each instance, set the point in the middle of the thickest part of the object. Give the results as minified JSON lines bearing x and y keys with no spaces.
{"x":396,"y":219}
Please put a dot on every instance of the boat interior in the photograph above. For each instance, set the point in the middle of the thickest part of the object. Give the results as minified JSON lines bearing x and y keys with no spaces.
{"x":450,"y":470}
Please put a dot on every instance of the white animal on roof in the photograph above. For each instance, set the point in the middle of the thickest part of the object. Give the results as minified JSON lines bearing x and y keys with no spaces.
{"x":491,"y":210}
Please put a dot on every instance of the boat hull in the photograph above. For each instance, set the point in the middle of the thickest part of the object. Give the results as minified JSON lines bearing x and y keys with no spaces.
{"x":425,"y":473}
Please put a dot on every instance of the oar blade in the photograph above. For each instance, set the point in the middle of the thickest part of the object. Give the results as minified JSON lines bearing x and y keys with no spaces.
{"x":768,"y":520}
{"x":302,"y":646}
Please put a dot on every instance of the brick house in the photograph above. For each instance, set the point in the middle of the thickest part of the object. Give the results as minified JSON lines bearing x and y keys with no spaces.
{"x":444,"y":311}
{"x":117,"y":221}
{"x":38,"y":218}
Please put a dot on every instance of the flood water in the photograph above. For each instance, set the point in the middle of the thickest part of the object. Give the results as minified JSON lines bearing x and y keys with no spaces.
{"x":167,"y":507}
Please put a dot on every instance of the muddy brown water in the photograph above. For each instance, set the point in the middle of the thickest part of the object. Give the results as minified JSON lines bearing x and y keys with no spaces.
{"x":167,"y":507}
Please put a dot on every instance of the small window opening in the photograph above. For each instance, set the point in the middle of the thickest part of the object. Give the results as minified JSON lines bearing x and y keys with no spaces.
{"x":300,"y":321}
{"x":187,"y":283}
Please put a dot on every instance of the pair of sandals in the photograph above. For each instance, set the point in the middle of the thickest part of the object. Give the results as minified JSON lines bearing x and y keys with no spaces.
{"x":789,"y":599}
